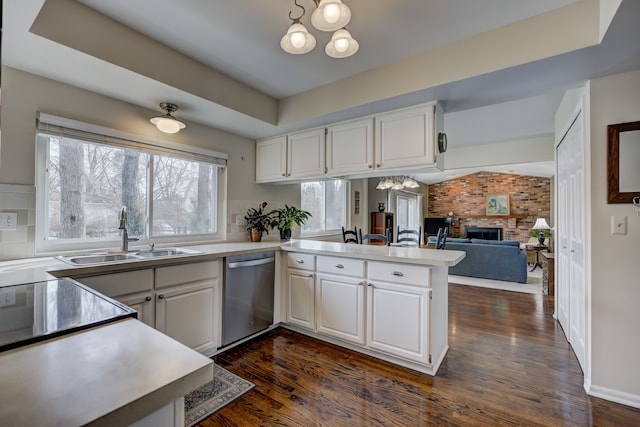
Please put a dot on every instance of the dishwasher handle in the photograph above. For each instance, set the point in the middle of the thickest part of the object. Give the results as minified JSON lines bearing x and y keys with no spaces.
{"x":251,"y":263}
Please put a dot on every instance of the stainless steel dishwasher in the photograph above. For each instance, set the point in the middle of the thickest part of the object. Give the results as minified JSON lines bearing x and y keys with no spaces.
{"x":247,"y":295}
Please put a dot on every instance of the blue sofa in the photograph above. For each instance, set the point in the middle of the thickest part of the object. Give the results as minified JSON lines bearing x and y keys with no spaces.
{"x":490,"y":259}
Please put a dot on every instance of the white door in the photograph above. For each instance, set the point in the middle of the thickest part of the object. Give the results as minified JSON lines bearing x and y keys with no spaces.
{"x":571,"y":229}
{"x":398,"y":320}
{"x":350,"y":147}
{"x":186,"y":313}
{"x":301,"y":298}
{"x":340,"y":307}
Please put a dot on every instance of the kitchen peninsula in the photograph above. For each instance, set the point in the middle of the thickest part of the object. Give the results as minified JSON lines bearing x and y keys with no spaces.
{"x":385,"y":301}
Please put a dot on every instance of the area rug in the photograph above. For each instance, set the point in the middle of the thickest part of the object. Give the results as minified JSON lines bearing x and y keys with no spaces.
{"x":207,"y":399}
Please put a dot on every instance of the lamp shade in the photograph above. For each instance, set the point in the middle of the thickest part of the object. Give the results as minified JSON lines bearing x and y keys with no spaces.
{"x":330,"y":15}
{"x":298,"y":40}
{"x":541,"y":224}
{"x":167,"y":123}
{"x":341,"y":45}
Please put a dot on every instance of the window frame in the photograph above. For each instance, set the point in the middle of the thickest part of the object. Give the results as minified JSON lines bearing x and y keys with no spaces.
{"x":45,"y":246}
{"x":347,"y":210}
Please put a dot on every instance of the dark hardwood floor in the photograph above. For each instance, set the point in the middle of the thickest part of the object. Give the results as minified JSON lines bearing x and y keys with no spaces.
{"x":508,"y":364}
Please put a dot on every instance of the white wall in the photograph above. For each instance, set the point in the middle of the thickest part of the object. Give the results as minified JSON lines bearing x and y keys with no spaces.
{"x":24,"y":94}
{"x":615,"y":272}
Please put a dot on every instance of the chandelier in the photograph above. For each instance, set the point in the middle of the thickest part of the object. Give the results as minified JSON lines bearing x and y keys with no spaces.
{"x":397,"y":183}
{"x":330,"y":15}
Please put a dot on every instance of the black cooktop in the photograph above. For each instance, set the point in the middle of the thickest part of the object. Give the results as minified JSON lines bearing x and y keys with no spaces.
{"x":38,"y":311}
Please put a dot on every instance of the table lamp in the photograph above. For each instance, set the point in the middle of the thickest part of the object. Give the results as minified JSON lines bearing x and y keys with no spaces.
{"x":541,"y":225}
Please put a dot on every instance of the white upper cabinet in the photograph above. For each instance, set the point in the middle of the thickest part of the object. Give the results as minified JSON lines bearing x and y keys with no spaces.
{"x":407,"y":137}
{"x":306,"y":153}
{"x":402,"y":140}
{"x":271,"y":159}
{"x":350,"y":147}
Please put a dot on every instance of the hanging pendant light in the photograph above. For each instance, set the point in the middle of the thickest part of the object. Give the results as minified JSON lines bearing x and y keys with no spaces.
{"x":167,"y":123}
{"x":298,"y":40}
{"x":341,"y":45}
{"x":330,"y":15}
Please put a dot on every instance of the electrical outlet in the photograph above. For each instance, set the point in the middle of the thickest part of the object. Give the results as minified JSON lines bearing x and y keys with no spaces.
{"x":7,"y":297}
{"x":240,"y":220}
{"x":8,"y":220}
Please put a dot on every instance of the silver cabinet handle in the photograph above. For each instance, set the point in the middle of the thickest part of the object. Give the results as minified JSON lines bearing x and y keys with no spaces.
{"x":378,"y":165}
{"x":147,"y":299}
{"x":300,"y":261}
{"x":572,"y":251}
{"x":284,"y":174}
{"x":339,"y":266}
{"x":370,"y":166}
{"x":325,"y":169}
{"x":309,"y":275}
{"x":398,"y":273}
{"x":362,"y":283}
{"x":370,"y":285}
{"x":160,"y":296}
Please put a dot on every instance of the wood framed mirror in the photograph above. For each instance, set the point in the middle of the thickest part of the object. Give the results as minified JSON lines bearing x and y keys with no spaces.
{"x":623,"y":162}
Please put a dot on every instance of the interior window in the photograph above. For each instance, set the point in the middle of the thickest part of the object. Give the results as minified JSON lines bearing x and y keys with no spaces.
{"x":327,"y":203}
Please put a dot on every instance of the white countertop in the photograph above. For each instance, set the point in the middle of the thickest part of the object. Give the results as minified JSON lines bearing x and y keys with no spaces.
{"x":109,"y":375}
{"x":399,"y":254}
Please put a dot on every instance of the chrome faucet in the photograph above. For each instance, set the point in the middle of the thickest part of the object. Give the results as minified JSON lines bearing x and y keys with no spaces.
{"x":123,"y":226}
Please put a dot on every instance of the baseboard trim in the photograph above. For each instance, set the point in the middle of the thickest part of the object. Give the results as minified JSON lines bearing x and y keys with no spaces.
{"x":616,"y":396}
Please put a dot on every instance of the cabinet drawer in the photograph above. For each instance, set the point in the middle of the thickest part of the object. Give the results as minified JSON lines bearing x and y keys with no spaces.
{"x":116,"y":284}
{"x":342,"y":266}
{"x":301,"y":261}
{"x":183,"y":273}
{"x":400,"y":273}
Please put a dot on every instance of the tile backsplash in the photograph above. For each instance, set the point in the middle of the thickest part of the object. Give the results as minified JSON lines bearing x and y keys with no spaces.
{"x":19,"y":243}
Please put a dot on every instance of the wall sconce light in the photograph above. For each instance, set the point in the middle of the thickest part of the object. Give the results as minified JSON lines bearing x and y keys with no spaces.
{"x":167,"y":123}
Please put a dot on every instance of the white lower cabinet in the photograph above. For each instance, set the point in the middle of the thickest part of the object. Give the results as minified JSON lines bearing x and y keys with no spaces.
{"x":186,"y":314}
{"x":182,"y":301}
{"x":340,"y":307}
{"x":398,"y":320}
{"x":301,"y":298}
{"x":382,"y":308}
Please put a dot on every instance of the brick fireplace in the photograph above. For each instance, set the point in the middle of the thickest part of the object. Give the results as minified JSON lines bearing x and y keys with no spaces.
{"x":466,"y":197}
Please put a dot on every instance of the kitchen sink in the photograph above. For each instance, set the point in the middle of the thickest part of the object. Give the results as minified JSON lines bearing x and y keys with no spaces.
{"x":97,"y":259}
{"x":106,"y":258}
{"x":163,"y":252}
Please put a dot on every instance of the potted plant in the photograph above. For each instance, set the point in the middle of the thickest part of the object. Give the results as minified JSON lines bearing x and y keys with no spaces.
{"x":258,"y":222}
{"x":285,"y":218}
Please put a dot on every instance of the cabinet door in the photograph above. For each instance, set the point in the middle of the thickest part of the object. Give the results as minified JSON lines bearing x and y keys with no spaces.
{"x":306,"y":154}
{"x":142,"y":303}
{"x":398,"y":320}
{"x":350,"y":147}
{"x":406,"y":138}
{"x":124,"y":283}
{"x":340,"y":307}
{"x":301,"y":298}
{"x":271,"y":159}
{"x":189,"y":313}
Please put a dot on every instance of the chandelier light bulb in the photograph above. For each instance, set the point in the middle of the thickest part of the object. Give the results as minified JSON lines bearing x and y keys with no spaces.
{"x":168,"y":126}
{"x":342,"y":45}
{"x":331,"y":13}
{"x":298,"y":39}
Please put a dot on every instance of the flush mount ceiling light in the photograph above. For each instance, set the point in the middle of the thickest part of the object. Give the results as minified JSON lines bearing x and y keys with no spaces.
{"x":167,"y":123}
{"x":330,"y":15}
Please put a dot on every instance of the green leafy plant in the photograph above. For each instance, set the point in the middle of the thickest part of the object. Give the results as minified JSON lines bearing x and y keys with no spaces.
{"x":285,"y":218}
{"x":258,"y":219}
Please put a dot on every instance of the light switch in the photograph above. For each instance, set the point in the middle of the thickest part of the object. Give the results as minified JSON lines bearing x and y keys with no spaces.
{"x":8,"y":220}
{"x":618,"y":225}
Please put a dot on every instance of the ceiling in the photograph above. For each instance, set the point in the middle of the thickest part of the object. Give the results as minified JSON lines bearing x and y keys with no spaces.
{"x":240,"y":40}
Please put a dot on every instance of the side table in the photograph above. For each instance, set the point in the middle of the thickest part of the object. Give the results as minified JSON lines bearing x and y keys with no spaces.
{"x":536,"y":248}
{"x":548,"y":273}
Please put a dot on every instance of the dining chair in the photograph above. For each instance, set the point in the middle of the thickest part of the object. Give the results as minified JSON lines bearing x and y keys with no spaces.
{"x":371,"y":237}
{"x":441,"y":239}
{"x":409,"y":237}
{"x":350,"y":236}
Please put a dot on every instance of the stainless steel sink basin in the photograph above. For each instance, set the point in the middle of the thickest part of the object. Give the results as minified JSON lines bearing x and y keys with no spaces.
{"x":97,"y":259}
{"x":105,"y":258}
{"x":164,"y":252}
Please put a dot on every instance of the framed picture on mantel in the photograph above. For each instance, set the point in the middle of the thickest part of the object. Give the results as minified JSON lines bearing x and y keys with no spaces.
{"x":498,"y":204}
